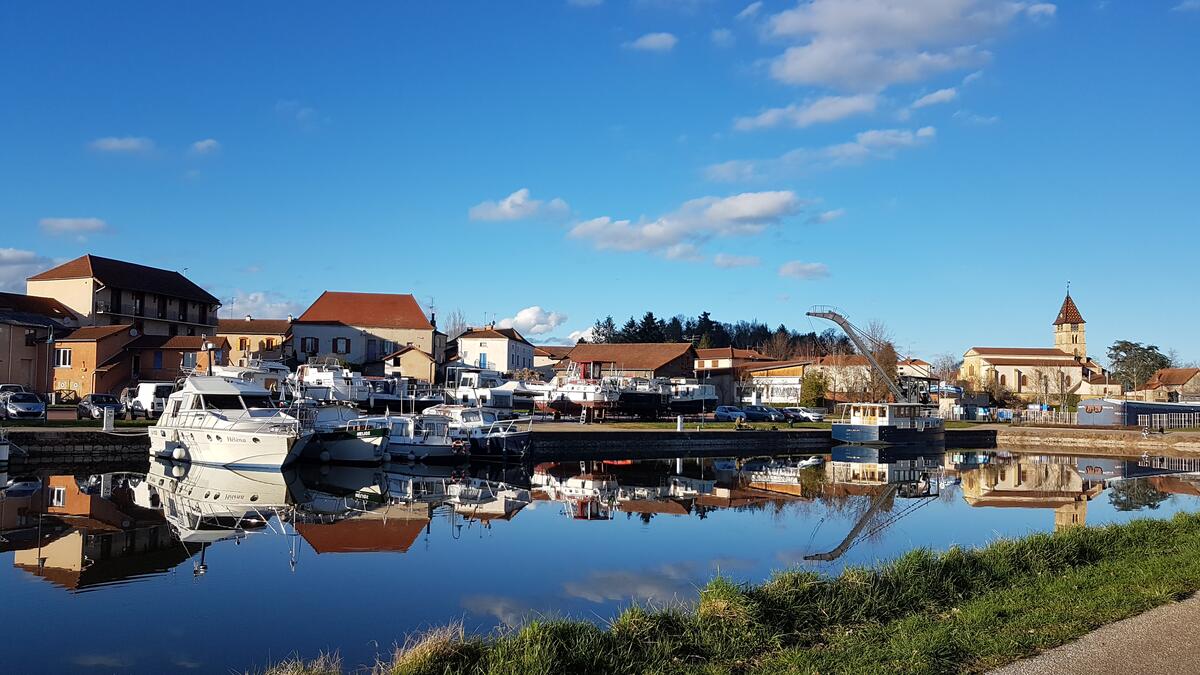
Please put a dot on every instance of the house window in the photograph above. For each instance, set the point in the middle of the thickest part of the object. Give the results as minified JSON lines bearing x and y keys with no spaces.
{"x":62,"y":358}
{"x":30,"y":337}
{"x":189,"y":359}
{"x":1003,"y":380}
{"x":58,"y":496}
{"x":341,"y":345}
{"x":158,"y":360}
{"x":244,"y":344}
{"x":182,"y":315}
{"x":310,"y":345}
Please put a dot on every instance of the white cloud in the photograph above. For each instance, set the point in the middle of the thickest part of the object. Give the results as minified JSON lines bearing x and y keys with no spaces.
{"x":803,"y":270}
{"x":17,"y":265}
{"x":260,"y":305}
{"x":870,"y":144}
{"x":683,"y":251}
{"x":577,"y":335}
{"x":654,"y":42}
{"x":722,"y":37}
{"x":867,"y":45}
{"x":301,"y":114}
{"x":824,"y":109}
{"x":827,"y":216}
{"x":971,"y":77}
{"x":751,"y":10}
{"x":679,"y":233}
{"x":1187,"y":6}
{"x":126,"y":144}
{"x":534,"y":321}
{"x":76,"y":226}
{"x":518,"y":206}
{"x":937,"y":97}
{"x":205,"y":147}
{"x":727,"y":261}
{"x":968,"y":117}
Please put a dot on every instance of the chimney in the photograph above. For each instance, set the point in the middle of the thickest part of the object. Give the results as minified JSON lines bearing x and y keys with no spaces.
{"x":247,"y":317}
{"x":291,"y":318}
{"x":433,"y":320}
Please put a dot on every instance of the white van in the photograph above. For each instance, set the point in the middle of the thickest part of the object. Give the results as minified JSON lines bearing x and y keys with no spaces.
{"x":149,"y":399}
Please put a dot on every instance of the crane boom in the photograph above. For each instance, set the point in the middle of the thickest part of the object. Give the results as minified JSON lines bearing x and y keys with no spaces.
{"x":829,"y":314}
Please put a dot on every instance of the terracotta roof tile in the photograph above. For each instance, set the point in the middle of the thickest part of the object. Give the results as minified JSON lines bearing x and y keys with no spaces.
{"x":1171,"y":377}
{"x":253,"y":326}
{"x":35,"y":304}
{"x":495,"y":333}
{"x":631,"y":355}
{"x":552,"y":351}
{"x":731,"y":353}
{"x":1053,"y":363}
{"x":375,"y":310}
{"x":1068,"y":313}
{"x":89,"y":333}
{"x":1020,"y":351}
{"x":183,"y":343}
{"x":129,"y":276}
{"x":362,"y":535}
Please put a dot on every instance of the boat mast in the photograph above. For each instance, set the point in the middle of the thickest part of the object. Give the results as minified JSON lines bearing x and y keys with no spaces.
{"x":856,"y":336}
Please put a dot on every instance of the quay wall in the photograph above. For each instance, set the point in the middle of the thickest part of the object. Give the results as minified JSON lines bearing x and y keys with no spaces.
{"x":1068,"y":438}
{"x":658,"y":444}
{"x":76,"y":446}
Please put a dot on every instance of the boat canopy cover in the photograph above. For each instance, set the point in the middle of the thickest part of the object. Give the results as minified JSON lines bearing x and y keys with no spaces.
{"x":221,"y":385}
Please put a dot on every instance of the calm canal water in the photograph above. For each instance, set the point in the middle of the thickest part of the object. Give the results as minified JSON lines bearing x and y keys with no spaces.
{"x":214,"y":570}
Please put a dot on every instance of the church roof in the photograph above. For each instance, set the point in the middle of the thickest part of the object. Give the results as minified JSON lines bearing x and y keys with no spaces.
{"x":1068,"y":313}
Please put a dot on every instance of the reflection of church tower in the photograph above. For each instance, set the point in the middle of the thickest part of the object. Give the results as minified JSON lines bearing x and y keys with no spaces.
{"x":1070,"y":334}
{"x":1071,"y":515}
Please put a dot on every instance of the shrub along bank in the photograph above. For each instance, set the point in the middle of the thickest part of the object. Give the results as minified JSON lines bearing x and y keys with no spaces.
{"x":964,"y":610}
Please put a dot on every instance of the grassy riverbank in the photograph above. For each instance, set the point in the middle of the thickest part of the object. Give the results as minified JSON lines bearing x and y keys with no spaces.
{"x":965,"y":610}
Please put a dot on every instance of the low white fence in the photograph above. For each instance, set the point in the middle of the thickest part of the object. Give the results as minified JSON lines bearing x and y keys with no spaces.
{"x":1169,"y":420}
{"x":1066,"y":418}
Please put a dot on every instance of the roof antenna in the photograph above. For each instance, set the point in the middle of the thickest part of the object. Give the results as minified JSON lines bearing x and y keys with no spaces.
{"x":1068,"y":287}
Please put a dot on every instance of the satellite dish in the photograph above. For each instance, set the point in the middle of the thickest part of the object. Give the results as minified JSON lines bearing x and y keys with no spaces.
{"x":133,"y":332}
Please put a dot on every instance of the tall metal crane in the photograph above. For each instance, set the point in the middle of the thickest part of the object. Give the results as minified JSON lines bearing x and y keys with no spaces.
{"x":860,"y":342}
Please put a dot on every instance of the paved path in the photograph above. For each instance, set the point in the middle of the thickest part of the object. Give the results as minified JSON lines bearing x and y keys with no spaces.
{"x":1163,"y":640}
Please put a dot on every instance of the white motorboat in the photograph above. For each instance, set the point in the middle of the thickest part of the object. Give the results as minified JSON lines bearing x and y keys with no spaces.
{"x":270,"y":375}
{"x":329,"y":380}
{"x":469,"y":386}
{"x":691,"y":397}
{"x":343,"y":434}
{"x":485,"y":431}
{"x":575,"y":393}
{"x":226,"y":422}
{"x":420,"y":438}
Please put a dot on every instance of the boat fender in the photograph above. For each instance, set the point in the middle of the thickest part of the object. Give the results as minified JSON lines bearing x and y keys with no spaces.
{"x":178,"y":471}
{"x":179,"y":454}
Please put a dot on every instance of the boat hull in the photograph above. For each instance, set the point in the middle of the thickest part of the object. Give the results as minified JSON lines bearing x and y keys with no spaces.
{"x":873,"y":434}
{"x":346,"y":447}
{"x":642,"y":404}
{"x":693,"y":406}
{"x":241,"y":449}
{"x":507,"y":444}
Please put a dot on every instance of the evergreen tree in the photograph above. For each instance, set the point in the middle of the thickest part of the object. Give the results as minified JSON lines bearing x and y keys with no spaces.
{"x":673,"y":331}
{"x":650,"y":329}
{"x":628,"y":332}
{"x":604,"y":330}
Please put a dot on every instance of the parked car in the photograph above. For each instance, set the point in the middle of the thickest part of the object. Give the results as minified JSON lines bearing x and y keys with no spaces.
{"x":805,"y":414}
{"x":6,"y":389}
{"x":761,"y":413}
{"x":728,"y":413}
{"x":149,"y":399}
{"x":23,"y":405}
{"x":92,"y":407}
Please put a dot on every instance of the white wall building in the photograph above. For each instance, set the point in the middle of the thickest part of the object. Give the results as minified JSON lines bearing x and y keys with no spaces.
{"x":502,"y":349}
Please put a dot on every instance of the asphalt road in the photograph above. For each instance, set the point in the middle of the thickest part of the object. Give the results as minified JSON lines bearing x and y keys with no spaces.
{"x":1162,"y":640}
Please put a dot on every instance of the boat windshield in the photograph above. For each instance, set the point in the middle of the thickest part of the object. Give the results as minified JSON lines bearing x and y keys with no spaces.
{"x":254,"y":401}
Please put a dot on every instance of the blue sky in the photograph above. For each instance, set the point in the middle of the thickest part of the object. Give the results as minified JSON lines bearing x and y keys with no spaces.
{"x":945,"y":166}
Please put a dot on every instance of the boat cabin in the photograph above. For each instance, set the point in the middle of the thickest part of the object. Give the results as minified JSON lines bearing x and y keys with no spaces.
{"x":899,"y":415}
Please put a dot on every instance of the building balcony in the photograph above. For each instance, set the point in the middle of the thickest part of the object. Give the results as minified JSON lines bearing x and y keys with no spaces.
{"x":130,"y":311}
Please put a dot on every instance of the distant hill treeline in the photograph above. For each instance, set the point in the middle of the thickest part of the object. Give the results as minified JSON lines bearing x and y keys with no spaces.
{"x":703,"y":332}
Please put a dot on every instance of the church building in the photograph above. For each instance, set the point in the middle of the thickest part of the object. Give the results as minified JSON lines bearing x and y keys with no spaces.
{"x":1039,"y":373}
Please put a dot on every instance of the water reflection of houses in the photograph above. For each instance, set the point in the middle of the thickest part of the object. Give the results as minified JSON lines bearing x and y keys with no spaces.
{"x":105,"y":538}
{"x":1035,"y":482}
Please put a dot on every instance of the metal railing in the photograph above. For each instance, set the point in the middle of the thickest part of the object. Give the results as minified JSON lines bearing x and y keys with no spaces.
{"x":1054,"y":417}
{"x":1169,"y":420}
{"x":211,"y":420}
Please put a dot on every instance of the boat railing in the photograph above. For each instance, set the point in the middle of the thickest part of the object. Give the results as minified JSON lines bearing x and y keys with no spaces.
{"x":275,"y":423}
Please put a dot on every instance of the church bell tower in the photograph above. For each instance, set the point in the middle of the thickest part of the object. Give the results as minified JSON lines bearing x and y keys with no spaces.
{"x":1070,"y":332}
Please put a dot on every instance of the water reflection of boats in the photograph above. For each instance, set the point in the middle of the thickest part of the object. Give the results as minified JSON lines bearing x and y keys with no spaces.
{"x":206,"y":504}
{"x":486,"y":500}
{"x":587,"y":495}
{"x":916,"y":471}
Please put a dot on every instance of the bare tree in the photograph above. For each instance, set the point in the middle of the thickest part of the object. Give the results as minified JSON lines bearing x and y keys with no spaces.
{"x":946,"y":367}
{"x":456,"y":324}
{"x":778,"y":346}
{"x":1040,"y":384}
{"x":883,"y":348}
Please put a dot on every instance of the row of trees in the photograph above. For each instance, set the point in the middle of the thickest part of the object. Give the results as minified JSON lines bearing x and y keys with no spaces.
{"x":703,"y":332}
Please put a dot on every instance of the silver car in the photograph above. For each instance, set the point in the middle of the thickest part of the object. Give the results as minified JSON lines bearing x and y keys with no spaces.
{"x":23,"y":406}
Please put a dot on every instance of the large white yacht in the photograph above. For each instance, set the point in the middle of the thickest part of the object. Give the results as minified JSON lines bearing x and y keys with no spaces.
{"x":226,"y":422}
